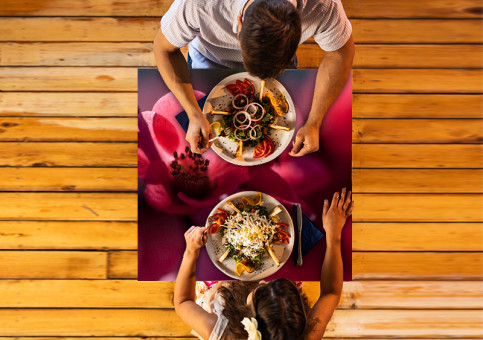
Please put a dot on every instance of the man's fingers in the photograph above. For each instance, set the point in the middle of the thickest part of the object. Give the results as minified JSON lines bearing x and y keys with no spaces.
{"x":205,"y":137}
{"x":335,"y":199}
{"x":297,"y":145}
{"x":304,"y":151}
{"x":342,"y":198}
{"x":326,"y":207}
{"x":347,"y":200}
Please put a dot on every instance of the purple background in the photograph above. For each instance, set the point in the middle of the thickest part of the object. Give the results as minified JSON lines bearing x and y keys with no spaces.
{"x":161,"y":240}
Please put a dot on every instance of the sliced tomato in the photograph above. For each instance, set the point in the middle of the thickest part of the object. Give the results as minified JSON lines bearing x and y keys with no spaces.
{"x":251,"y":88}
{"x":222,"y":212}
{"x":260,"y":149}
{"x":283,"y":234}
{"x":270,"y":146}
{"x":233,"y":89}
{"x":242,"y":86}
{"x":213,"y":228}
{"x":281,"y":226}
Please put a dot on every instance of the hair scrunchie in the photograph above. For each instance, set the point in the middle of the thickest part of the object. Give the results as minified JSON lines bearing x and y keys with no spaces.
{"x":251,"y":326}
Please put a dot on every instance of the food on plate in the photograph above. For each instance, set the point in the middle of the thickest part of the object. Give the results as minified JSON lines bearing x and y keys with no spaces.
{"x":249,"y":118}
{"x":248,"y":230}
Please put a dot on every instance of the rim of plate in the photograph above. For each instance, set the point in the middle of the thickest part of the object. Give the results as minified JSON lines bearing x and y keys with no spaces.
{"x":268,"y":271}
{"x":256,"y":82}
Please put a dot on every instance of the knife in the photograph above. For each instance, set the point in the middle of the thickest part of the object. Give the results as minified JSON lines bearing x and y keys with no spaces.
{"x":300,"y":225}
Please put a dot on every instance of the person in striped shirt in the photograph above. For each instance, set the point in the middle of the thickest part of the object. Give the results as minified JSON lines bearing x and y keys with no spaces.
{"x":261,"y":36}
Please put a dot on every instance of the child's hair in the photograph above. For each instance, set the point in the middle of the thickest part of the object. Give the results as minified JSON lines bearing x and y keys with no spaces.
{"x":235,"y":295}
{"x":280,"y":309}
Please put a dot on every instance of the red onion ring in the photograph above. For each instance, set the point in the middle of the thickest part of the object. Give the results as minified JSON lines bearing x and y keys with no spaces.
{"x":237,"y":96}
{"x":254,"y":129}
{"x":244,"y":124}
{"x":238,"y":138}
{"x":252,"y":114}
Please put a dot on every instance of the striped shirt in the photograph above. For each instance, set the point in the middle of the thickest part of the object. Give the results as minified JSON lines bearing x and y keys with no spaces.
{"x":210,"y":28}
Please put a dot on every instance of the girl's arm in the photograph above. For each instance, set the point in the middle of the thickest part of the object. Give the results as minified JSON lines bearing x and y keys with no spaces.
{"x":331,"y":277}
{"x":184,"y":291}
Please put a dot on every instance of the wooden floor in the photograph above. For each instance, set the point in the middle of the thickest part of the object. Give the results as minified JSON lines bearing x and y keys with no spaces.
{"x":68,"y":129}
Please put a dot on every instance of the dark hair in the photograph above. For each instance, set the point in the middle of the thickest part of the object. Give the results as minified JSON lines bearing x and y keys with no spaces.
{"x":280,"y":310}
{"x":269,"y":37}
{"x":235,"y":295}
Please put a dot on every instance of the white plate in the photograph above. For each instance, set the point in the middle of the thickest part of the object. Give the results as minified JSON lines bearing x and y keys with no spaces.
{"x":267,"y":267}
{"x":219,"y":98}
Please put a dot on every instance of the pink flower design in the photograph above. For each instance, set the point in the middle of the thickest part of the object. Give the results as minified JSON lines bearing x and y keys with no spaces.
{"x":176,"y":181}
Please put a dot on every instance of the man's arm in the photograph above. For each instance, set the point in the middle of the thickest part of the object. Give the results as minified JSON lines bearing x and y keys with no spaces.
{"x":331,"y":277}
{"x":174,"y":70}
{"x":184,"y":291}
{"x":331,"y":78}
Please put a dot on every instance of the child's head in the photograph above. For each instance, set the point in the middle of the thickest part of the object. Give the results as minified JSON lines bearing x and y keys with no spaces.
{"x":280,"y":310}
{"x":278,"y":306}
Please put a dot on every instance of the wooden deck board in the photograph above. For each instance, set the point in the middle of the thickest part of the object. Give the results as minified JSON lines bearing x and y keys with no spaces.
{"x":134,"y":294}
{"x":148,"y":322}
{"x":353,"y":8}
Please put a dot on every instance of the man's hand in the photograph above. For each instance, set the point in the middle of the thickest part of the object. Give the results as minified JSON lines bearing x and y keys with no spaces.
{"x":199,"y":133}
{"x":306,"y":141}
{"x":335,"y":215}
{"x":195,"y":239}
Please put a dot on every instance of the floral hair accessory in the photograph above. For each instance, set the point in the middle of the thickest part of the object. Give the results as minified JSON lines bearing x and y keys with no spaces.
{"x":251,"y":326}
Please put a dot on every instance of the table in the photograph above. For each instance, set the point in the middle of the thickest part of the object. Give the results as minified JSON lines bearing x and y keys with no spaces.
{"x":308,"y":180}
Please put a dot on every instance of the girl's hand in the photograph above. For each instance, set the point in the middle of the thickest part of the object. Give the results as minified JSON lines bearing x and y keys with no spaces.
{"x":335,"y":215}
{"x":195,"y":239}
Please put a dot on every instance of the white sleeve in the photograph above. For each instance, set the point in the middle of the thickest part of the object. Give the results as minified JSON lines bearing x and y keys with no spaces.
{"x":335,"y":29}
{"x":180,"y":25}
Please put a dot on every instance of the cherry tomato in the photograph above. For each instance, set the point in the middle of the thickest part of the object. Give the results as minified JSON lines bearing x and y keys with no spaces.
{"x":213,"y":228}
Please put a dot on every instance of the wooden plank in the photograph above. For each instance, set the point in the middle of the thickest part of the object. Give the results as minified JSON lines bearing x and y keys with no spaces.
{"x":49,"y":129}
{"x":412,"y":9}
{"x":123,"y":265}
{"x":424,"y":131}
{"x":52,"y":265}
{"x":67,"y":235}
{"x":397,"y":56}
{"x":417,"y":106}
{"x":77,"y":54}
{"x":125,"y":79}
{"x":430,"y":237}
{"x":68,"y":154}
{"x":68,"y":179}
{"x":149,"y":294}
{"x":136,"y":29}
{"x":125,"y":104}
{"x":414,"y":31}
{"x":416,"y":81}
{"x":353,"y":8}
{"x":345,"y":323}
{"x":68,"y":206}
{"x":416,"y":156}
{"x":416,"y":266}
{"x":418,"y":208}
{"x":309,"y":55}
{"x":417,"y":181}
{"x":79,"y":29}
{"x":68,"y":79}
{"x":365,"y":266}
{"x":68,"y":104}
{"x":405,"y":294}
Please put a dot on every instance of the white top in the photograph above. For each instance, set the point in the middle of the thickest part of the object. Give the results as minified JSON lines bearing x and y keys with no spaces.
{"x":210,"y":27}
{"x":215,"y":306}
